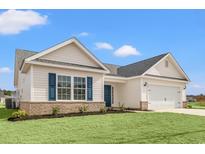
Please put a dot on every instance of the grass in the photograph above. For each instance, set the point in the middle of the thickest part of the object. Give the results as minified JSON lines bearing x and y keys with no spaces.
{"x":197,"y":105}
{"x":5,"y":113}
{"x":143,"y":127}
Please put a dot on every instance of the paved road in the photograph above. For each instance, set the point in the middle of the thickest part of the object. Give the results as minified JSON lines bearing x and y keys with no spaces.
{"x":200,"y":112}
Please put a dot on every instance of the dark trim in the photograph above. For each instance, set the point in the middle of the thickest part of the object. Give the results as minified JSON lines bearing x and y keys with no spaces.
{"x":165,"y":77}
{"x":108,"y":95}
{"x":89,"y":88}
{"x":51,"y":86}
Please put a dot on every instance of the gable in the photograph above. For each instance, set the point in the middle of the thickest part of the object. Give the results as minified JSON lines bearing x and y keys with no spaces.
{"x":71,"y":53}
{"x":140,"y":67}
{"x":172,"y":70}
{"x":20,"y":55}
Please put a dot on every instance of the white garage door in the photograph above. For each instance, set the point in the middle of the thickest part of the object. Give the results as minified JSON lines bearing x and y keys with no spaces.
{"x":163,"y":97}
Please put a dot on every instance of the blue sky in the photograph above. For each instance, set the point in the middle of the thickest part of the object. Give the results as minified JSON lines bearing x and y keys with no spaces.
{"x":108,"y":33}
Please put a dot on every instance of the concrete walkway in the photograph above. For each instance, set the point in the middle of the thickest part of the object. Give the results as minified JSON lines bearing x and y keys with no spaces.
{"x":199,"y":112}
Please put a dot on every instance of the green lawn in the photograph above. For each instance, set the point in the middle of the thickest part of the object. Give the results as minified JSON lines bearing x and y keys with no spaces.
{"x":4,"y":113}
{"x":197,"y":105}
{"x":111,"y":128}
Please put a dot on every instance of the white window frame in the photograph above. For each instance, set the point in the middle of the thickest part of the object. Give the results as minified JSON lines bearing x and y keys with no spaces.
{"x":72,"y":88}
{"x":85,"y":88}
{"x":57,"y":75}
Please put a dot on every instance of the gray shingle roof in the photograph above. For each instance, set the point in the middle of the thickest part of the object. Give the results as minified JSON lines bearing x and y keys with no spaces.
{"x":140,"y":67}
{"x":112,"y":68}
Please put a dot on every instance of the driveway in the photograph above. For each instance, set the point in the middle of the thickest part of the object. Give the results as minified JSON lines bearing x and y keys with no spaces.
{"x":199,"y":112}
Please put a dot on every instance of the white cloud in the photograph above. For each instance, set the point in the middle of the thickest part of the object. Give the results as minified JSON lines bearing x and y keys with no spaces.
{"x":83,"y":34}
{"x":126,"y":50}
{"x":16,"y":21}
{"x":5,"y":70}
{"x":103,"y":45}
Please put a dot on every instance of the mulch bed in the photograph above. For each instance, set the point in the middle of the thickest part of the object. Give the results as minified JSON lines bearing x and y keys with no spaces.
{"x":64,"y":115}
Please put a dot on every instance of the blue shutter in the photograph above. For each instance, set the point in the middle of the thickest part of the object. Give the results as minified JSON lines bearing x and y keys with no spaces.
{"x":89,"y":88}
{"x":51,"y":86}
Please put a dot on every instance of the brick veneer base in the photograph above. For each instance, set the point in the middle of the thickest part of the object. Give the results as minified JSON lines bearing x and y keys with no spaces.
{"x":143,"y":105}
{"x":45,"y":108}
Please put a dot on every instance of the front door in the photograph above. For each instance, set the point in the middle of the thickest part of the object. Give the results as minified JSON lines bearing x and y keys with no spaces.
{"x":107,"y":95}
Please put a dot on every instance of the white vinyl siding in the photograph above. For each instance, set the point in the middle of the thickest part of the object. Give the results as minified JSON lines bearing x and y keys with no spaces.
{"x":40,"y":82}
{"x":131,"y":93}
{"x":165,"y":68}
{"x":127,"y":93}
{"x":24,"y":86}
{"x":71,"y":54}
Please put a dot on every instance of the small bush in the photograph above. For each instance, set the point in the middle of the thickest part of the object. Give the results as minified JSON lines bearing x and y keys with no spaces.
{"x":83,"y":108}
{"x":189,"y":106}
{"x":55,"y":110}
{"x":19,"y":114}
{"x":103,"y":109}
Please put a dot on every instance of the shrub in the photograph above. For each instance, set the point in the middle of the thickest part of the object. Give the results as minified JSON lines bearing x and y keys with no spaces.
{"x":103,"y":109}
{"x":189,"y":106}
{"x":55,"y":110}
{"x":83,"y":108}
{"x":19,"y":114}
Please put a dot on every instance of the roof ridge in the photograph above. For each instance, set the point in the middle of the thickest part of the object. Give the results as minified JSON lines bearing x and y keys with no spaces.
{"x":25,"y":50}
{"x":112,"y":64}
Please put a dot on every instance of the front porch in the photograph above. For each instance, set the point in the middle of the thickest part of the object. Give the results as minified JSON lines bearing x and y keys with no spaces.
{"x":113,"y":89}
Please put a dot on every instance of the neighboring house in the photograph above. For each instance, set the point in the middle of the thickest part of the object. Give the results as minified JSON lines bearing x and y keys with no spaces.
{"x":191,"y":98}
{"x":68,"y":76}
{"x":2,"y":97}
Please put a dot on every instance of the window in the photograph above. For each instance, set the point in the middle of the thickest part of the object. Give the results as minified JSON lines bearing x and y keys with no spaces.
{"x":64,"y":87}
{"x":166,"y":63}
{"x":79,"y":88}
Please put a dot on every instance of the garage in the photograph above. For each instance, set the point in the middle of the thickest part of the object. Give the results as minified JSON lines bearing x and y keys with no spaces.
{"x":163,"y":97}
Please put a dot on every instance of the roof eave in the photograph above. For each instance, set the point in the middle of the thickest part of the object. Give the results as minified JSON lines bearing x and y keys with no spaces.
{"x":67,"y":67}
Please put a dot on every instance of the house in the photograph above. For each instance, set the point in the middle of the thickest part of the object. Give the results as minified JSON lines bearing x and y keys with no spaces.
{"x":191,"y":98}
{"x":2,"y":98}
{"x":68,"y":76}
